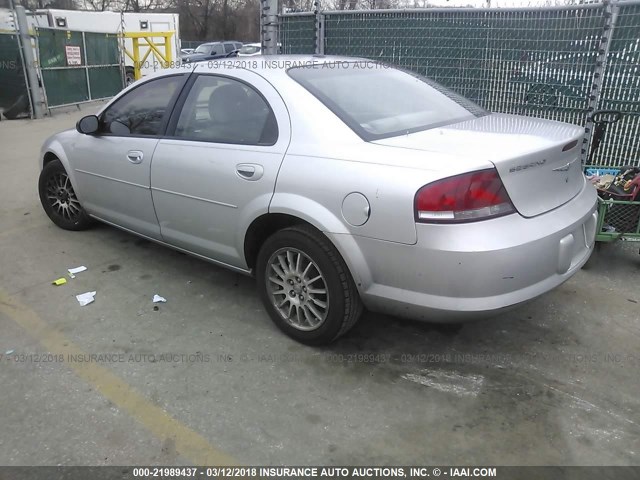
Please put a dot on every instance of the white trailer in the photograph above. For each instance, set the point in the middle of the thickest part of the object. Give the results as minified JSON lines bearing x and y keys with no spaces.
{"x":115,"y":22}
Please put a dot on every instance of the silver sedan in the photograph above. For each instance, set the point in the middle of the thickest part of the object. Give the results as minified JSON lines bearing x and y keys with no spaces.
{"x":339,"y":183}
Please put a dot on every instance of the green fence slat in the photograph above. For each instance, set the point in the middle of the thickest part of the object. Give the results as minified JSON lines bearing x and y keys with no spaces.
{"x":105,"y":81}
{"x":12,"y":82}
{"x":297,"y":34}
{"x":52,"y":43}
{"x":621,"y":91}
{"x":102,"y":48}
{"x":530,"y":61}
{"x":64,"y":86}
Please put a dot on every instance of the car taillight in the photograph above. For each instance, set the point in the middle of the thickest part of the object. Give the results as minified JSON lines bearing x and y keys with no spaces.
{"x":464,"y":198}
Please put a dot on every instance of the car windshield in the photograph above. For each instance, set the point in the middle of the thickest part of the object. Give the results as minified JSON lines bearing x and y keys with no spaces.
{"x":203,"y":49}
{"x":250,"y":49}
{"x":378,"y":101}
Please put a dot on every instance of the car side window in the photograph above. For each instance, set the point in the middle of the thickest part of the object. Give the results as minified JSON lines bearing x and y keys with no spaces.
{"x":223,"y":110}
{"x":228,"y":48}
{"x":217,"y":49}
{"x":142,"y":110}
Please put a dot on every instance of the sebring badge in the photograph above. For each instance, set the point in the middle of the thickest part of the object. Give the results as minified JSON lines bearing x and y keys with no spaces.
{"x":537,"y":163}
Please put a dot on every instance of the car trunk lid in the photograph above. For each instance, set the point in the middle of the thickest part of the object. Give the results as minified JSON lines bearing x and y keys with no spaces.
{"x":538,"y":160}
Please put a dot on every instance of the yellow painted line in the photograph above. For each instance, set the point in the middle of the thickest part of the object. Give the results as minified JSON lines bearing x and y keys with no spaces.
{"x":188,"y":443}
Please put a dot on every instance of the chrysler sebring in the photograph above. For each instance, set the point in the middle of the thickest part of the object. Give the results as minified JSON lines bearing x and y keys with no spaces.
{"x":339,"y":183}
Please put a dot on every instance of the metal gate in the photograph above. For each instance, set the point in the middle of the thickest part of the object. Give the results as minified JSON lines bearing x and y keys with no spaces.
{"x":78,"y":67}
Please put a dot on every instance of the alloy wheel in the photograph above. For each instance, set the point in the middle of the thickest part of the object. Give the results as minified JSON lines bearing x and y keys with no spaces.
{"x":297,"y":289}
{"x":62,"y":198}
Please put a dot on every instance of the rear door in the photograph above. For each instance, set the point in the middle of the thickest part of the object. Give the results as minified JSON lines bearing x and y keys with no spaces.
{"x":216,"y":170}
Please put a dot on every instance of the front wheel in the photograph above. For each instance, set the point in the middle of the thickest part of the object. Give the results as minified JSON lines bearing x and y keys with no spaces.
{"x":306,"y":286}
{"x":59,"y":200}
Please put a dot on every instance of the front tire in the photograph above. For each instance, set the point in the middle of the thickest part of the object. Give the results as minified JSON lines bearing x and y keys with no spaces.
{"x":306,"y":286}
{"x":59,"y":200}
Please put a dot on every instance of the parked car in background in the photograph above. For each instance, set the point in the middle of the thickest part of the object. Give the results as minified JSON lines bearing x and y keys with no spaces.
{"x":213,"y":50}
{"x":253,"y":49}
{"x":186,"y":51}
{"x":250,"y":50}
{"x":421,"y":204}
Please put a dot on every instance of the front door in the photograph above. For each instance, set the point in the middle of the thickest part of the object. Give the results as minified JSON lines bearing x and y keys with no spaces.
{"x":113,"y":167}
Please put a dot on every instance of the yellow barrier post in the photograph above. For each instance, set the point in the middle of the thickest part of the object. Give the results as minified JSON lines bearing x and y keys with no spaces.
{"x":165,"y":58}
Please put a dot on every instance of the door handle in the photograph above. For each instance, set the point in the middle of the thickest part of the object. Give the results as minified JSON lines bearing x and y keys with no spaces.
{"x":135,"y":156}
{"x":249,"y":171}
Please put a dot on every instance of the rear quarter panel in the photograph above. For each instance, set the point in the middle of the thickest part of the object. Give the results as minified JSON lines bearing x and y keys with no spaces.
{"x":314,"y":188}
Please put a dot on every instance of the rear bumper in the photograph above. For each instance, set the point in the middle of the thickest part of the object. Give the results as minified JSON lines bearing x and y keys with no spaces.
{"x":466,"y":271}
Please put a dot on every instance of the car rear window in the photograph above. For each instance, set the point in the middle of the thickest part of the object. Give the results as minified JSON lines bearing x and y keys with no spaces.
{"x":378,"y":101}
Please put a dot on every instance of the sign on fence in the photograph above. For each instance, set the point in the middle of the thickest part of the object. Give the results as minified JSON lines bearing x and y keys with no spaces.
{"x":73,"y":55}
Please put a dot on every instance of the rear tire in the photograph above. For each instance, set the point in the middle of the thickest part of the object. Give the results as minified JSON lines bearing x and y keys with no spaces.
{"x":59,"y":200}
{"x":306,"y":286}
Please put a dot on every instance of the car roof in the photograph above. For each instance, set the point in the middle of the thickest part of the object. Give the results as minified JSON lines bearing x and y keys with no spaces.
{"x":269,"y":66}
{"x":219,"y":41}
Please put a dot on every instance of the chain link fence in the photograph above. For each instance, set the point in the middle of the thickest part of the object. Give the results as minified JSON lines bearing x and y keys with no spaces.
{"x":621,"y":90}
{"x":297,"y":33}
{"x":545,"y":62}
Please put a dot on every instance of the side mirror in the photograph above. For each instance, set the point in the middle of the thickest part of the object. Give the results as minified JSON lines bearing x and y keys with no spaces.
{"x":88,"y":125}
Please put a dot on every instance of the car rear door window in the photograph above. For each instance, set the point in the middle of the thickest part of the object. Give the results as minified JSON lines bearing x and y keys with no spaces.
{"x":224,"y":110}
{"x":142,"y":110}
{"x":228,"y":47}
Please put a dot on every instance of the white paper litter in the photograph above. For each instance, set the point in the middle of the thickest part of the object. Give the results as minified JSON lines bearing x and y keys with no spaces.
{"x":86,"y":298}
{"x":76,"y":270}
{"x":157,"y":298}
{"x":8,"y":352}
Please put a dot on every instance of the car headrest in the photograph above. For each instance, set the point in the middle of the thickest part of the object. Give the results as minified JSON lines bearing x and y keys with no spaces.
{"x":227,"y":102}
